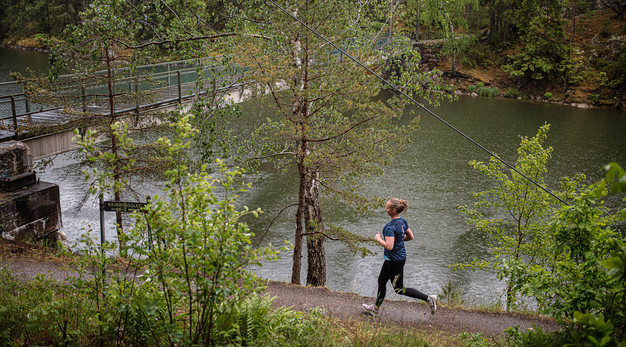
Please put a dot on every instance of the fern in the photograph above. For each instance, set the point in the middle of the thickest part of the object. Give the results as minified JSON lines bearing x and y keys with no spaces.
{"x":254,"y":318}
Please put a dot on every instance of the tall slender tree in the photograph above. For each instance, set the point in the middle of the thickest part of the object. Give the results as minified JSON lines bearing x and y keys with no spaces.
{"x":333,"y":123}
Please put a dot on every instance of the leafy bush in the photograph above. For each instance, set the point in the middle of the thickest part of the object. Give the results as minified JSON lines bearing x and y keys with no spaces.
{"x":517,"y":242}
{"x":534,"y":337}
{"x":512,"y":93}
{"x":567,"y":257}
{"x":191,"y":268}
{"x":41,"y":311}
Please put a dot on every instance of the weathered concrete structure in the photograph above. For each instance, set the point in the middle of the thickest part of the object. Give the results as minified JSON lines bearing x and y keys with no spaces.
{"x":29,"y":210}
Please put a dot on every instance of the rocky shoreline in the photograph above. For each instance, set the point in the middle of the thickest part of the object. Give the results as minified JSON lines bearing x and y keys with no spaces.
{"x":25,"y":48}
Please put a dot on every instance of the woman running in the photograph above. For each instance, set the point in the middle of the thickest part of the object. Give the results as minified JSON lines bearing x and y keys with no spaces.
{"x":394,"y":234}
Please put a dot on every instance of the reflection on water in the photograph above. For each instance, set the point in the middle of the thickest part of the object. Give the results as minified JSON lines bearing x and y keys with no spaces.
{"x":433,"y":175}
{"x":15,"y":60}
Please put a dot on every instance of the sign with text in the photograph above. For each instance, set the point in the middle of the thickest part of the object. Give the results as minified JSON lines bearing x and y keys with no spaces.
{"x":123,"y":206}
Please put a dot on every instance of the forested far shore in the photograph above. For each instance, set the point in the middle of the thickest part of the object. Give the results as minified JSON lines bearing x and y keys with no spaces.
{"x":571,"y":52}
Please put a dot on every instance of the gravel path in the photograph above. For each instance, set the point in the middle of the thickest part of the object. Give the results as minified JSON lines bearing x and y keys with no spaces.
{"x":344,"y":306}
{"x":404,"y":313}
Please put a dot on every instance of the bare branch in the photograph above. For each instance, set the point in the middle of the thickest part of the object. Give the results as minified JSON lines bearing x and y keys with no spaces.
{"x":186,"y":39}
{"x":272,"y":222}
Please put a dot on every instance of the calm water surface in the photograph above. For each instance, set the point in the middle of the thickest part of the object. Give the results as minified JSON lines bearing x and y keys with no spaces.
{"x":15,"y":60}
{"x":433,"y":175}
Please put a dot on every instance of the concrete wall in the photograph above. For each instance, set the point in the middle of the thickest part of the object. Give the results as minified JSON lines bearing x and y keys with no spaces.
{"x":43,"y":146}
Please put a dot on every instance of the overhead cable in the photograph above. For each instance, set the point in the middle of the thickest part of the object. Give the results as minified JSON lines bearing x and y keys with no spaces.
{"x":398,"y":90}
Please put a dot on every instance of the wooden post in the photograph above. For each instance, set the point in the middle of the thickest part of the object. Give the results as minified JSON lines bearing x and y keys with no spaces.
{"x":148,"y":225}
{"x":102,"y":238}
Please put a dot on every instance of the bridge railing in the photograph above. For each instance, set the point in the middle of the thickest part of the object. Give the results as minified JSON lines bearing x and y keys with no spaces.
{"x":167,"y":83}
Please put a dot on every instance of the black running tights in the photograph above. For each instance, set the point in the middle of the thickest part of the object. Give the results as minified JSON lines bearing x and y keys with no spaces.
{"x":393,"y":271}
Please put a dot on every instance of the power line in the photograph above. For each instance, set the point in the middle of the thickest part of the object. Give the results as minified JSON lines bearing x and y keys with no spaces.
{"x":418,"y":103}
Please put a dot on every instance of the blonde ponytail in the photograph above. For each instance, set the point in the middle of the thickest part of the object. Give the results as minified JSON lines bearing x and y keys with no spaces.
{"x":399,"y":205}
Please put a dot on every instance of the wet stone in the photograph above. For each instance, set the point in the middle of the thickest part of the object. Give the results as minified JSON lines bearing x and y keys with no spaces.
{"x":15,"y":159}
{"x":28,"y":211}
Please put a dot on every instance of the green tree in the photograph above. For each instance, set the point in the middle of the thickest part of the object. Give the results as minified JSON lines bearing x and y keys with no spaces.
{"x":450,"y":16}
{"x":200,"y":251}
{"x":568,"y":257}
{"x":104,"y":52}
{"x":544,"y":51}
{"x":21,"y":18}
{"x":502,"y":27}
{"x":333,"y":125}
{"x":190,"y":266}
{"x":514,"y":215}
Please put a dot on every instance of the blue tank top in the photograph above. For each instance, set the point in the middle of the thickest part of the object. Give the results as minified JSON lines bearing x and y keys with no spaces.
{"x":396,"y":228}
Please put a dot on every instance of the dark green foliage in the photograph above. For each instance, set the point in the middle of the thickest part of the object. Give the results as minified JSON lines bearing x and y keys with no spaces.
{"x":23,"y":18}
{"x":614,"y":71}
{"x":617,"y":6}
{"x":534,"y":337}
{"x":41,"y":311}
{"x":543,"y":51}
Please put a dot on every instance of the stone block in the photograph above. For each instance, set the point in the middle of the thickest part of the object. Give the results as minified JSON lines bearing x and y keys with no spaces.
{"x":15,"y":159}
{"x":32,"y":213}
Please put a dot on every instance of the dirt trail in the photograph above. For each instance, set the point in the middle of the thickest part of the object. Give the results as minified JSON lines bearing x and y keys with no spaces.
{"x":344,"y":306}
{"x":404,"y":313}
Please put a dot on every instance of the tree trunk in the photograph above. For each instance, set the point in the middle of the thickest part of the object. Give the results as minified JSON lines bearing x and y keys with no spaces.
{"x":316,"y":254}
{"x":453,"y":46}
{"x":417,"y":23}
{"x":297,"y":243}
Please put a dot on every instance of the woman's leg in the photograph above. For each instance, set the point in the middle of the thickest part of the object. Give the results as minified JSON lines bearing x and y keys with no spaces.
{"x":383,"y":277}
{"x":396,"y":274}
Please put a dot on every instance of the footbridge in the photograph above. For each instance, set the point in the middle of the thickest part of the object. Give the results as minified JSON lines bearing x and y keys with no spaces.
{"x":48,"y":129}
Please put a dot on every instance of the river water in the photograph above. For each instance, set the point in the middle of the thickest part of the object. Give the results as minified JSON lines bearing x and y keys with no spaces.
{"x":433,"y":175}
{"x":15,"y":60}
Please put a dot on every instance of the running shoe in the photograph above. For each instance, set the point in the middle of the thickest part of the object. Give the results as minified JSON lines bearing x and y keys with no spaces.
{"x":371,"y":309}
{"x":432,"y":303}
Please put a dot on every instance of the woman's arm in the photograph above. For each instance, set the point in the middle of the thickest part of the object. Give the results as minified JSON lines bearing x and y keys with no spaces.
{"x":408,"y":236}
{"x":387,"y":243}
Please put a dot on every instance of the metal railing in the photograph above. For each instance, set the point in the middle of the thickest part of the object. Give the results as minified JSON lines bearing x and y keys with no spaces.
{"x":169,"y":82}
{"x":166,"y":84}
